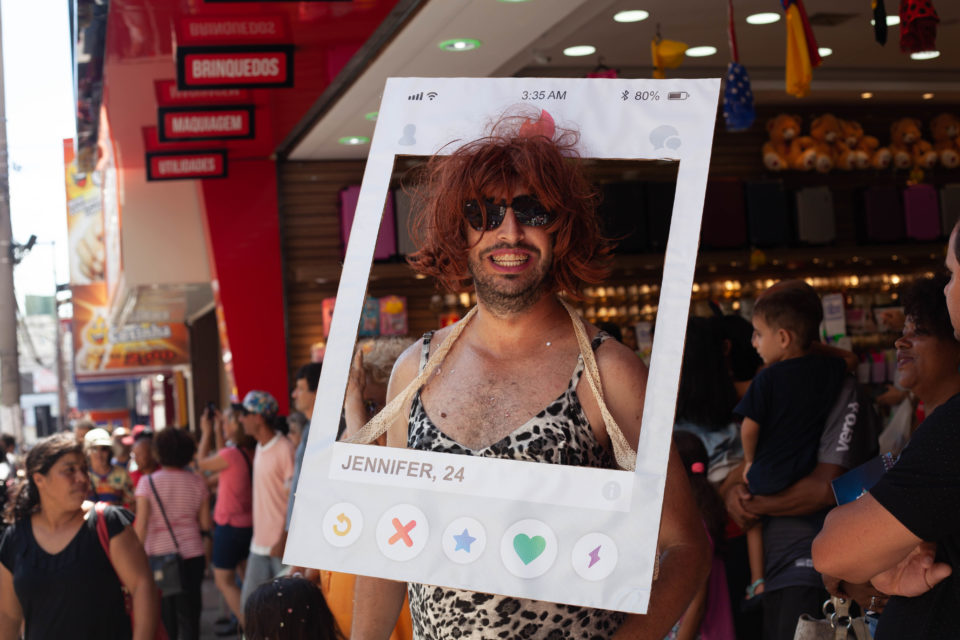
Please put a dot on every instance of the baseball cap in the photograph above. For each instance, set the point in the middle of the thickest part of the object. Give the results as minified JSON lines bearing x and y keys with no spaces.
{"x":139,"y":431}
{"x":260,"y":402}
{"x":98,"y":438}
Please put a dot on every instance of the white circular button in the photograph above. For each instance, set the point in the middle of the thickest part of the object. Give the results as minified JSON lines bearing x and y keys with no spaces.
{"x":342,"y":524}
{"x":464,"y":540}
{"x":402,"y":532}
{"x":594,"y":557}
{"x":528,"y":548}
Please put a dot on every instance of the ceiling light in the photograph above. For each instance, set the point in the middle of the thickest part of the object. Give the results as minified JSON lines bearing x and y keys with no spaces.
{"x":825,"y":51}
{"x":866,"y":95}
{"x":372,"y":116}
{"x":924,"y":55}
{"x":633,"y":15}
{"x":763,"y":18}
{"x":892,"y":21}
{"x":354,"y":140}
{"x":459,"y":44}
{"x":701,"y":52}
{"x":579,"y":50}
{"x":928,"y":96}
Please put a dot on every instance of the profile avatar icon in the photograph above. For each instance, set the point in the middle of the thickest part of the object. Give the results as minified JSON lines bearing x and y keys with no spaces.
{"x":665,"y":136}
{"x":409,"y":135}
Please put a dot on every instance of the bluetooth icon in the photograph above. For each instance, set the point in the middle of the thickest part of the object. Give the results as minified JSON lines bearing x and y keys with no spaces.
{"x":624,"y":95}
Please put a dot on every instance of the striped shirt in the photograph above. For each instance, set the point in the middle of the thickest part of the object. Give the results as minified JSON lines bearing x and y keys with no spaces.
{"x":182,"y":492}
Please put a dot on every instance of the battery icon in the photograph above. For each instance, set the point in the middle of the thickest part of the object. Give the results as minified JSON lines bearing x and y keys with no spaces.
{"x":678,"y":95}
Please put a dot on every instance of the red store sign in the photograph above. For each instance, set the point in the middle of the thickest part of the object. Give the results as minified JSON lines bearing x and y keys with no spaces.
{"x":235,"y":67}
{"x":168,"y":95}
{"x":186,"y":165}
{"x":238,"y":30}
{"x":205,"y":123}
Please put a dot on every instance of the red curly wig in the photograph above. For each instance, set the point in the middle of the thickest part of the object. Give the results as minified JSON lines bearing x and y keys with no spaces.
{"x":513,"y":156}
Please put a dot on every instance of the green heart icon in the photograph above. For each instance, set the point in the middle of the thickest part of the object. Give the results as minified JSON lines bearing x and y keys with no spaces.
{"x":529,"y":549}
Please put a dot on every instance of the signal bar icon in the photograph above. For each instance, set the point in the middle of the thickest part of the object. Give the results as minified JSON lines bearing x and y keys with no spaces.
{"x":431,"y":95}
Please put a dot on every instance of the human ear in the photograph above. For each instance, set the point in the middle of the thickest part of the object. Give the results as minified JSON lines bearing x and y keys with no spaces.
{"x":785,"y":337}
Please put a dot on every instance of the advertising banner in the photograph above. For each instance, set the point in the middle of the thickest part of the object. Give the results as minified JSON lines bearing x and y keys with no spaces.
{"x":168,"y":95}
{"x":212,"y":30}
{"x":84,"y":221}
{"x":133,"y":349}
{"x":175,"y":124}
{"x":249,"y":66}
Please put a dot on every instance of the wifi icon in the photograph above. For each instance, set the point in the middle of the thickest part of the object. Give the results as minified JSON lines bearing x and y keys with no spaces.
{"x":431,"y":95}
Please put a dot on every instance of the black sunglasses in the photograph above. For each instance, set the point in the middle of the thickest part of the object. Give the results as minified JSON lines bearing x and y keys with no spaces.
{"x":528,"y":210}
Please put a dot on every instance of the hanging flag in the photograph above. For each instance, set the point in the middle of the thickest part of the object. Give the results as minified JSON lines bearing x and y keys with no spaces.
{"x":802,"y":54}
{"x":738,"y":111}
{"x":918,"y":26}
{"x":879,"y":21}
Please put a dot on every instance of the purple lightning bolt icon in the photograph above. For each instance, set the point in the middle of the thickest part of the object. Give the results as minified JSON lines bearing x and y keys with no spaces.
{"x":594,"y":557}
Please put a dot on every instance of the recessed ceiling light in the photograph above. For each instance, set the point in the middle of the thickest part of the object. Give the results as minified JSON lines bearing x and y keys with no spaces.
{"x":825,"y":51}
{"x":701,"y":52}
{"x":354,"y":140}
{"x":633,"y":15}
{"x":866,"y":95}
{"x":928,"y":96}
{"x":763,"y":18}
{"x":372,"y":116}
{"x":892,"y":21}
{"x":579,"y":50}
{"x":459,"y":44}
{"x":924,"y":55}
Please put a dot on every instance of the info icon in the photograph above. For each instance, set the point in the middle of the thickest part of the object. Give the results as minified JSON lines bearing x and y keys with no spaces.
{"x":402,"y":532}
{"x":464,"y":540}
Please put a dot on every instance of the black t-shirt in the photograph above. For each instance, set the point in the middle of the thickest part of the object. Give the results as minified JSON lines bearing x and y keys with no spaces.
{"x":922,"y":491}
{"x":73,"y":594}
{"x":790,"y":400}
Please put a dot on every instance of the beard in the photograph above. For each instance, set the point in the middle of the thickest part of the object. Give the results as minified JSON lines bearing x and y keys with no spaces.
{"x":505,"y":294}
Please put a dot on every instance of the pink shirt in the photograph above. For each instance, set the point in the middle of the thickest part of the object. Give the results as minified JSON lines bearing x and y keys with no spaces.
{"x":234,"y":494}
{"x":272,"y":474}
{"x":181,"y":492}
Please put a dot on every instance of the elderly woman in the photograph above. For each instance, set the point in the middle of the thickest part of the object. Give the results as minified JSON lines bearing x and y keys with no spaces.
{"x":56,"y":577}
{"x":904,"y":534}
{"x":173,"y":515}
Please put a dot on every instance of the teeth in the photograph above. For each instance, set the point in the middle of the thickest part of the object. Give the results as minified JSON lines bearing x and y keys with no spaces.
{"x":510,"y":260}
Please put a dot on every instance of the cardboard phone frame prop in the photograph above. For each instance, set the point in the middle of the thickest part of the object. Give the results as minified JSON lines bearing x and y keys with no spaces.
{"x":529,"y":530}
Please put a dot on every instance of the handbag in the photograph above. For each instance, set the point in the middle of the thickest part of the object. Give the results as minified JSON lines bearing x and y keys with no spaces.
{"x":161,"y":632}
{"x":167,"y":568}
{"x":838,"y":624}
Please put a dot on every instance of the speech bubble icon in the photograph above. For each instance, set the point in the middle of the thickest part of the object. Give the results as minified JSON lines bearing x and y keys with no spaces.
{"x":665,"y":136}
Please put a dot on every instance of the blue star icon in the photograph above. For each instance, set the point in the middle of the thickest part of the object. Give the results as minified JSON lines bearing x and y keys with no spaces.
{"x":463,"y":541}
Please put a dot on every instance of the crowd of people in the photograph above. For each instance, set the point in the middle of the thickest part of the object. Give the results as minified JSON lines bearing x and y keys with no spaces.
{"x":126,"y":524}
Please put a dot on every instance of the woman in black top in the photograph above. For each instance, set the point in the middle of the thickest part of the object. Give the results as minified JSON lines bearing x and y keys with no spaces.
{"x":54,"y":573}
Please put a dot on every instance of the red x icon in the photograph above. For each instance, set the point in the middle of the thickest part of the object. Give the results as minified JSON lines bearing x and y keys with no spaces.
{"x":403,"y":532}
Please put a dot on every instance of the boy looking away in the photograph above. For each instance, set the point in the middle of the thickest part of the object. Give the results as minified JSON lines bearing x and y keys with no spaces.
{"x":786,"y":406}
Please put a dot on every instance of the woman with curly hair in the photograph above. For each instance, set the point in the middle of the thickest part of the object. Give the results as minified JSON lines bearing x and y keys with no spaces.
{"x":56,"y":578}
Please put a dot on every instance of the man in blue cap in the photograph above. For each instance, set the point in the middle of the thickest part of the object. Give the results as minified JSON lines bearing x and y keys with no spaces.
{"x":272,"y":474}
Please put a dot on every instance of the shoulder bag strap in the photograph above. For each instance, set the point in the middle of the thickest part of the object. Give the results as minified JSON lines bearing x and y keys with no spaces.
{"x":246,"y":459}
{"x":102,"y":529}
{"x":625,"y":455}
{"x":153,"y":488}
{"x":379,"y":424}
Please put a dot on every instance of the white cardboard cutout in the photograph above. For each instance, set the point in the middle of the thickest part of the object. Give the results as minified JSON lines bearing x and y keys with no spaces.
{"x":564,"y":534}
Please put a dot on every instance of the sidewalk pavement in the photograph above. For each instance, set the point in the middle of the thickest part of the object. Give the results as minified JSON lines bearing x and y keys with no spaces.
{"x":213,"y":607}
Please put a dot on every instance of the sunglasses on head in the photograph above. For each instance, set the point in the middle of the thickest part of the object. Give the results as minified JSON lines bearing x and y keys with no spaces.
{"x":528,"y":210}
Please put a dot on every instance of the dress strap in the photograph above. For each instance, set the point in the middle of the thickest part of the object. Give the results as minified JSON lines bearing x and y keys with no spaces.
{"x":425,"y":350}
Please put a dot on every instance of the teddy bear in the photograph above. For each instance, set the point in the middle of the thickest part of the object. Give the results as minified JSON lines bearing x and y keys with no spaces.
{"x":826,"y":132}
{"x":945,"y":129}
{"x":866,"y":149}
{"x":908,"y":147}
{"x":803,"y":153}
{"x":782,"y":129}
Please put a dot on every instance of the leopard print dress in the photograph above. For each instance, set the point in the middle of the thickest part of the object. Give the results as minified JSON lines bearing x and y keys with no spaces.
{"x":560,"y":434}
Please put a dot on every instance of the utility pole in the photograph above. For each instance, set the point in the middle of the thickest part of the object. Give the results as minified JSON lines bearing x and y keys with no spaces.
{"x":10,"y":415}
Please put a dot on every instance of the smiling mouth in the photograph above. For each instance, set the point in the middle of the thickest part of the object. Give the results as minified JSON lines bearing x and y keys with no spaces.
{"x":510,"y":259}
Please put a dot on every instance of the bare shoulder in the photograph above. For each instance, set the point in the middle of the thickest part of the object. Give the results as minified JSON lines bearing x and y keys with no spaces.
{"x":619,"y":366}
{"x":407,"y":365}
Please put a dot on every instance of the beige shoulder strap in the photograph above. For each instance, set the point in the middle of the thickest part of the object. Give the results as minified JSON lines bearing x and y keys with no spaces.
{"x":625,"y":456}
